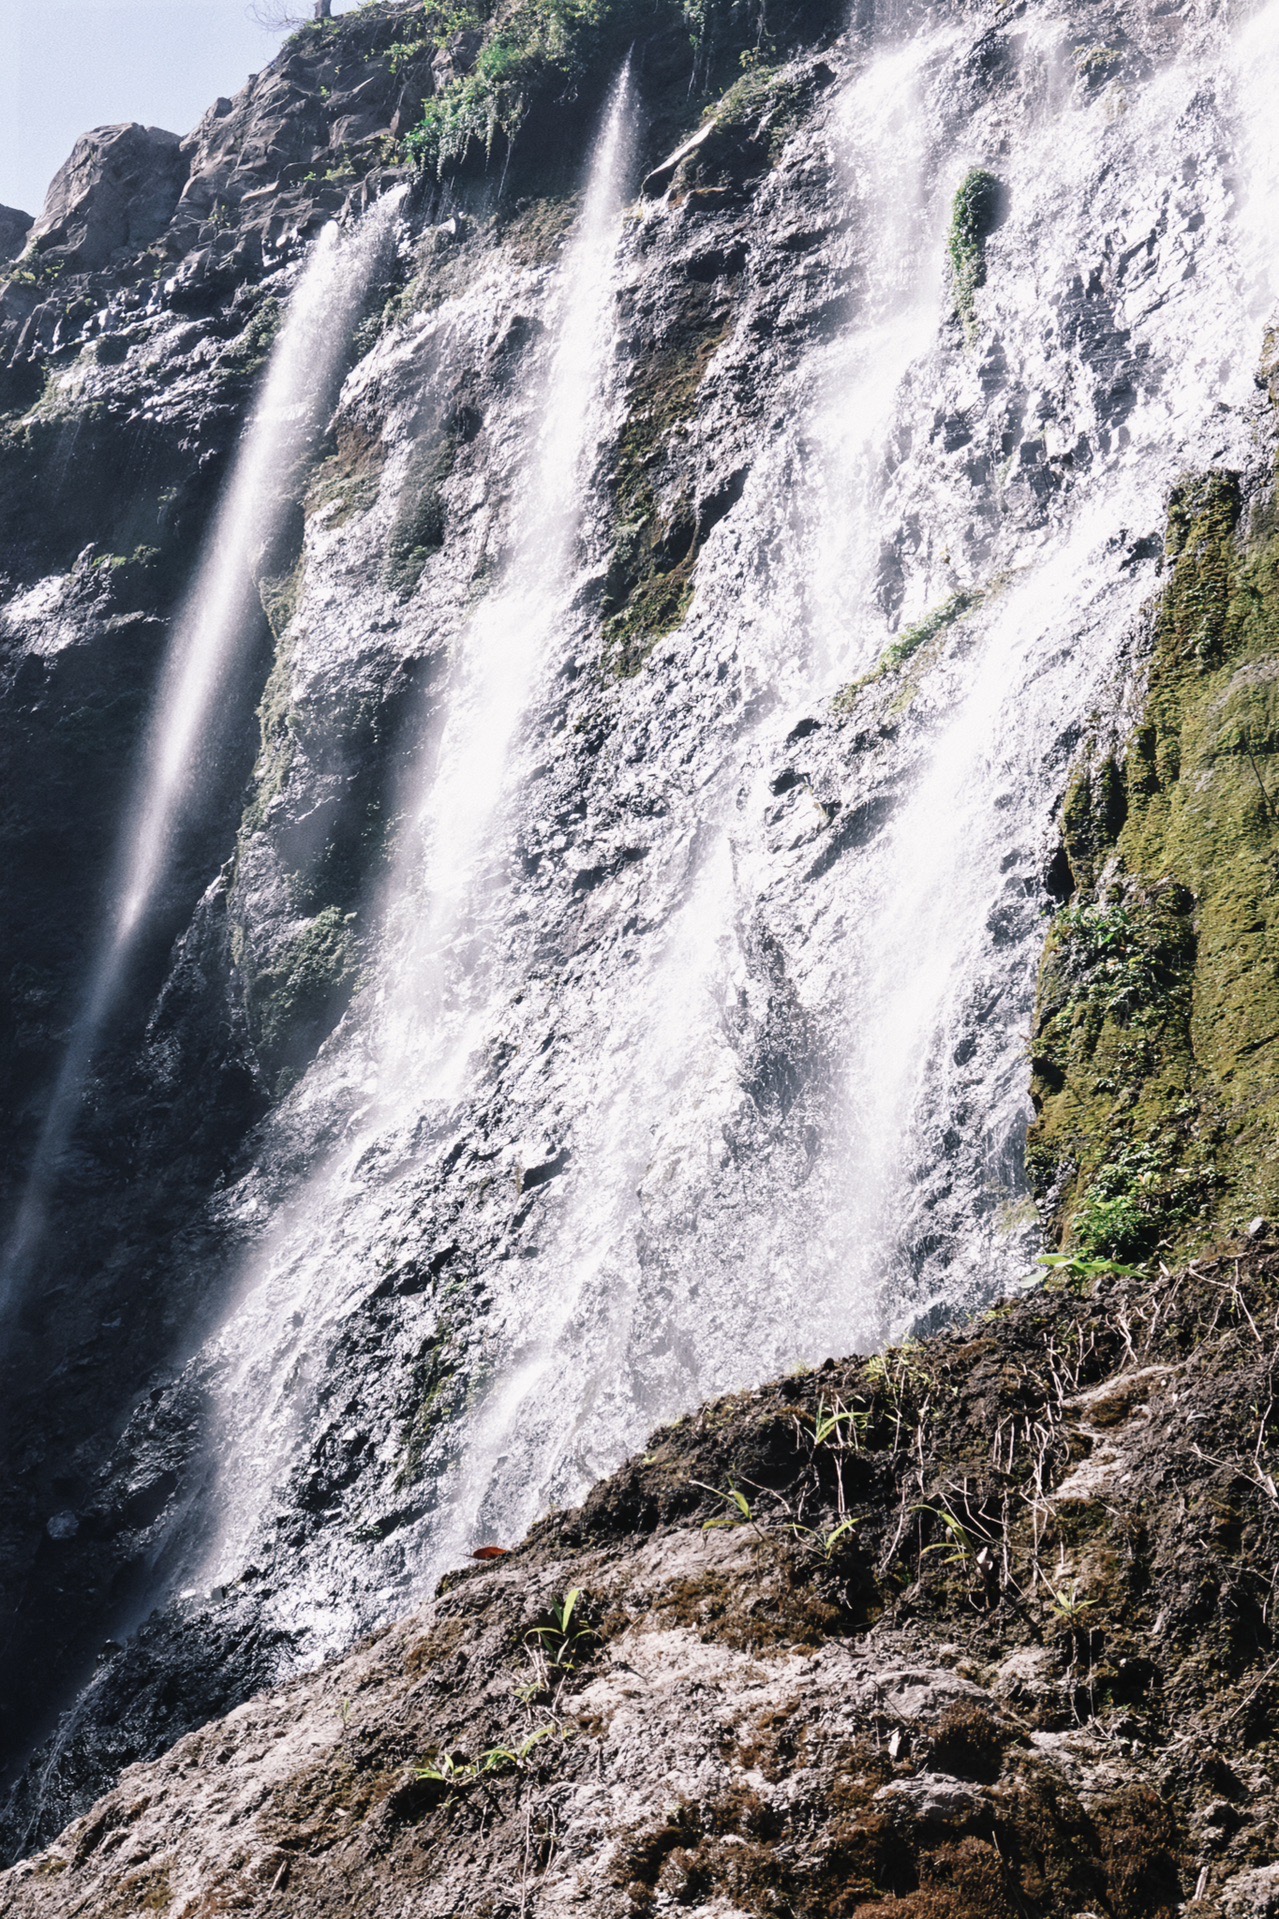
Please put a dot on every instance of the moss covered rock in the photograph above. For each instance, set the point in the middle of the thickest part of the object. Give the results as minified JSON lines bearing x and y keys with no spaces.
{"x":1155,"y":1054}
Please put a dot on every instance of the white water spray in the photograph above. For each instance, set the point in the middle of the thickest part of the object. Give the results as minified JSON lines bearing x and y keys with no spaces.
{"x":667,"y":1277}
{"x":206,"y":656}
{"x":592,"y":1342}
{"x":441,"y":873}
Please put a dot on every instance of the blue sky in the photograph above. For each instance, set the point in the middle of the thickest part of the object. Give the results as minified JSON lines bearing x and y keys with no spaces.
{"x":67,"y":65}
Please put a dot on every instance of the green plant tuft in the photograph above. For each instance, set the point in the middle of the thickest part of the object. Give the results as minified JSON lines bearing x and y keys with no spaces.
{"x":974,"y":216}
{"x":908,"y":643}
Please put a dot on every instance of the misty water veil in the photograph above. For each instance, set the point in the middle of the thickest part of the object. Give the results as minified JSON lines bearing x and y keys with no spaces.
{"x":675,"y":1062}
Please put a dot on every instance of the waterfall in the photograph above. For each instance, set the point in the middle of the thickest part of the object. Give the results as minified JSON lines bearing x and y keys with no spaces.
{"x":206,"y":659}
{"x":441,"y":874}
{"x":709,"y":1237}
{"x":705,"y":1056}
{"x":432,"y":999}
{"x":574,"y":1338}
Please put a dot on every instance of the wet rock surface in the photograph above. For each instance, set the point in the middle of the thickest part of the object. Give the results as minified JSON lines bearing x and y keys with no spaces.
{"x":925,"y":1666}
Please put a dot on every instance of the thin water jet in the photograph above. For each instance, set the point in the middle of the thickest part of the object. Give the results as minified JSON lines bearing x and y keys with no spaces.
{"x":204,"y":661}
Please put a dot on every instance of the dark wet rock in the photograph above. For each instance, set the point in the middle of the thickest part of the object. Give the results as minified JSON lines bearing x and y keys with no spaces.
{"x":14,"y":228}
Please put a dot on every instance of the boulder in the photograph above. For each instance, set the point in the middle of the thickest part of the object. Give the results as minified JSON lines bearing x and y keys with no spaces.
{"x":118,"y":189}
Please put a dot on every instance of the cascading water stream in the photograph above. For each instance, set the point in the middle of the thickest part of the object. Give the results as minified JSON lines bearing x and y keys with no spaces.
{"x":948,"y":888}
{"x":567,"y":1337}
{"x":430,"y":1004}
{"x":206,"y":658}
{"x":441,"y":872}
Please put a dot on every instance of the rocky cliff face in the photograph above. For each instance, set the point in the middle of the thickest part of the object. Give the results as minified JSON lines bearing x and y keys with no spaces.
{"x":725,"y":617}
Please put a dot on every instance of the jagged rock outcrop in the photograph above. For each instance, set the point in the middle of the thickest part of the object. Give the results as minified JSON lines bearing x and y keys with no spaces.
{"x":114,"y":196}
{"x":977,"y":1629}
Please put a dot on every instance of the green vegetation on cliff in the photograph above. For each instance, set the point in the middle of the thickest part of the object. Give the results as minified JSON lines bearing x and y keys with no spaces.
{"x":974,"y":217}
{"x":657,"y":539}
{"x":1155,"y":1056}
{"x":491,"y":72}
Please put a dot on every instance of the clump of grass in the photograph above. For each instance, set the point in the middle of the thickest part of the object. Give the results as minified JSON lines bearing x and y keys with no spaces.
{"x":536,"y":55}
{"x":538,"y":47}
{"x":444,"y":1769}
{"x":563,"y":1638}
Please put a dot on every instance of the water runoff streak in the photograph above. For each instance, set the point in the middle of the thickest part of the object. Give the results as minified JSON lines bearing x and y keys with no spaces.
{"x":434,"y":997}
{"x":435,"y":1007}
{"x":208,"y":650}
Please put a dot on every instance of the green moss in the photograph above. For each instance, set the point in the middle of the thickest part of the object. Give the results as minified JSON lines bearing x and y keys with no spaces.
{"x":776,"y":95}
{"x":1094,"y":811}
{"x":347,"y":483}
{"x":1156,"y":1056}
{"x":277,"y":734}
{"x":280,"y":594}
{"x":973,"y":218}
{"x":656,"y":541}
{"x":1096,"y":65}
{"x":421,"y":516}
{"x":128,"y":571}
{"x":295,"y":999}
{"x":535,"y":232}
{"x":908,"y":643}
{"x":251,"y":350}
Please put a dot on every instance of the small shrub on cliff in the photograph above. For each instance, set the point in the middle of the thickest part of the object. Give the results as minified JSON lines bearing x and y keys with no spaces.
{"x":539,"y":56}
